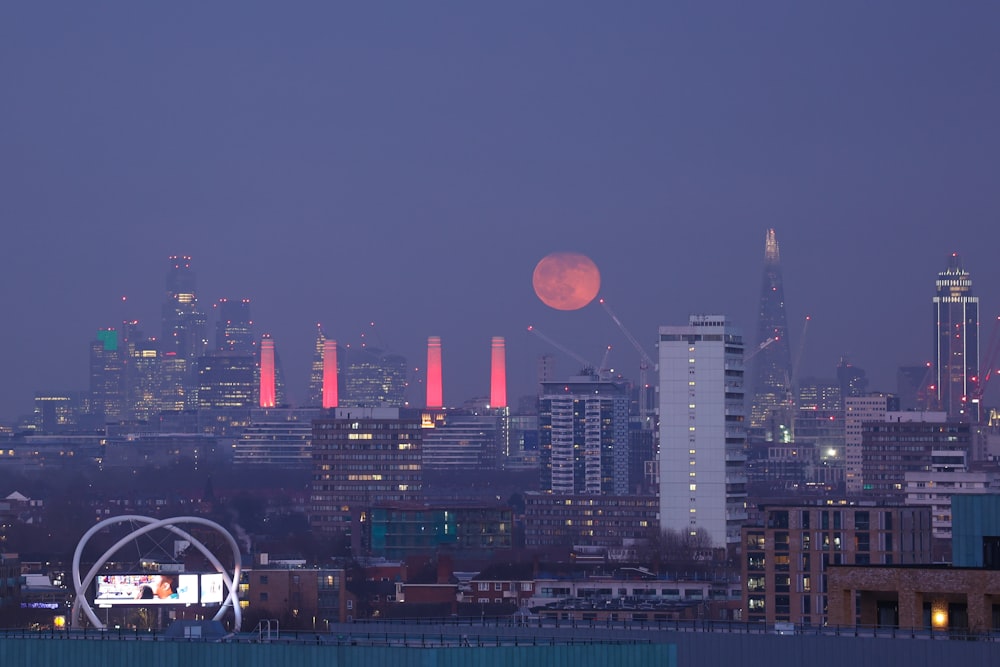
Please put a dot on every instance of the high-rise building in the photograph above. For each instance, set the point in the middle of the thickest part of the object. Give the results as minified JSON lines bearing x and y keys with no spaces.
{"x":853,"y":380}
{"x":315,"y":396}
{"x":859,"y":410}
{"x":772,"y":365}
{"x":956,"y":343}
{"x":143,"y":379}
{"x":702,"y":429}
{"x":184,"y":327}
{"x":233,"y":326}
{"x":819,"y":424}
{"x":226,"y":381}
{"x":374,"y":379}
{"x":106,"y":375}
{"x":583,"y":441}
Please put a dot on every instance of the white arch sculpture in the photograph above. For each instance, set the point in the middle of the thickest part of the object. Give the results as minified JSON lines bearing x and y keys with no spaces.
{"x":82,"y":584}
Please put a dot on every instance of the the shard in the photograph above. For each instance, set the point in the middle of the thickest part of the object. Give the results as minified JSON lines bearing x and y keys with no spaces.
{"x":771,"y":364}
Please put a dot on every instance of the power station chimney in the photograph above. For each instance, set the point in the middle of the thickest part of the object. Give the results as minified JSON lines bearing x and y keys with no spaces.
{"x":330,"y":396}
{"x":434,"y":393}
{"x":498,"y":374}
{"x":267,"y":395}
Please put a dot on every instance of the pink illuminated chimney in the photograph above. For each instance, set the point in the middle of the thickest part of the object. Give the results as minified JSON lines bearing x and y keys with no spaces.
{"x":498,"y":374}
{"x":434,"y":390}
{"x":267,"y":398}
{"x":330,"y":396}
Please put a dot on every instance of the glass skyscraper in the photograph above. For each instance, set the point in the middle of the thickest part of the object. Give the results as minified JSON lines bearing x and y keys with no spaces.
{"x":956,"y":343}
{"x":772,"y":366}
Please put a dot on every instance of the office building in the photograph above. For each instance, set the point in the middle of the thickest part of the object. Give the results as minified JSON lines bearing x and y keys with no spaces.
{"x":819,"y":424}
{"x":277,"y":436}
{"x":772,"y":365}
{"x":233,"y":327}
{"x":107,"y":371}
{"x":956,"y":343}
{"x":316,"y":369}
{"x":910,"y":442}
{"x":363,"y":457}
{"x":859,"y":410}
{"x":702,"y":429}
{"x":475,"y":530}
{"x":460,"y":440}
{"x":853,"y":380}
{"x":226,"y":380}
{"x":184,"y":332}
{"x":613,"y":523}
{"x":374,"y":379}
{"x":583,"y":436}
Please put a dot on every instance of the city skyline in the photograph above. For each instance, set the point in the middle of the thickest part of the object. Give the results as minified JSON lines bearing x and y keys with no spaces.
{"x":410,"y":166}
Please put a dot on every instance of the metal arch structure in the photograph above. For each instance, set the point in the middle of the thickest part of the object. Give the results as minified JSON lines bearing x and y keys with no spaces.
{"x":82,"y":584}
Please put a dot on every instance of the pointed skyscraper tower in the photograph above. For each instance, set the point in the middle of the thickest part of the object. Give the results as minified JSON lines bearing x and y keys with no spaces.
{"x":772,"y":365}
{"x":316,"y":371}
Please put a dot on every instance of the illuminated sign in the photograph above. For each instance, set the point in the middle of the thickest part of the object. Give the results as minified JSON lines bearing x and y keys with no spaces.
{"x":164,"y":588}
{"x":211,"y":588}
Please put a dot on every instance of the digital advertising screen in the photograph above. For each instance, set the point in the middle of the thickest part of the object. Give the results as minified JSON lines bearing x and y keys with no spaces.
{"x":164,"y":588}
{"x":211,"y":588}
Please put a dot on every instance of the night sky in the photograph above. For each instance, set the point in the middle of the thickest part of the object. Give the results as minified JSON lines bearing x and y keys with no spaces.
{"x":409,"y":163}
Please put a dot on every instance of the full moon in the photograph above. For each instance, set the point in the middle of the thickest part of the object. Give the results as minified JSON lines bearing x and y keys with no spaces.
{"x":566,"y":280}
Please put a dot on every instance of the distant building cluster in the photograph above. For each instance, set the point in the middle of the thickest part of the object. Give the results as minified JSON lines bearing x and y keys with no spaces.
{"x":727,"y":461}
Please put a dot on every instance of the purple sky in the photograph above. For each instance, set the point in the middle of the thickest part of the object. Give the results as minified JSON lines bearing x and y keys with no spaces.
{"x":410,"y":162}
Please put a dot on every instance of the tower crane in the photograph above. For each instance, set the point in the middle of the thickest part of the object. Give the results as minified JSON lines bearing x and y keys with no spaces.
{"x":760,"y":348}
{"x":565,"y":350}
{"x":986,"y":370}
{"x":605,"y":371}
{"x":645,"y":362}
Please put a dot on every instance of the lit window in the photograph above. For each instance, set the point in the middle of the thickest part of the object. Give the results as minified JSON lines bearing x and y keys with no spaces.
{"x":692,"y":487}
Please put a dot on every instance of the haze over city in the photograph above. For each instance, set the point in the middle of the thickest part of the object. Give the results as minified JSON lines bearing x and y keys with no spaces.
{"x":409,"y":165}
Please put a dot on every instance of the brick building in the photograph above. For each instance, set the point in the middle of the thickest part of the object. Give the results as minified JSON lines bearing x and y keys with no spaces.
{"x":930,"y":597}
{"x":786,"y":559}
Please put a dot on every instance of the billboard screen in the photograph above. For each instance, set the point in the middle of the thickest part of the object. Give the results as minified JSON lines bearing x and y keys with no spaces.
{"x":211,"y":588}
{"x":165,"y":588}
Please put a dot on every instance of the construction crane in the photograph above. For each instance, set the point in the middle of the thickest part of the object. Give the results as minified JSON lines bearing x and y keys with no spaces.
{"x":565,"y":350}
{"x":986,"y":370}
{"x":605,"y":371}
{"x":759,"y":349}
{"x":645,"y":362}
{"x":798,"y":352}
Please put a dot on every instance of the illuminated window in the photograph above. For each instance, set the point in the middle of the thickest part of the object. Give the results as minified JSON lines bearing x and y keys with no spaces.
{"x":692,"y":487}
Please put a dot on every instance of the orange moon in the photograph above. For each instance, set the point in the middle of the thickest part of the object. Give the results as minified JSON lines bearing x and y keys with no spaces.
{"x":566,"y":280}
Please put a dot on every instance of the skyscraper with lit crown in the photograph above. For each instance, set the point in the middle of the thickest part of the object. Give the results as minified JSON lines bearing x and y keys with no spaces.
{"x":956,"y":343}
{"x":772,"y":365}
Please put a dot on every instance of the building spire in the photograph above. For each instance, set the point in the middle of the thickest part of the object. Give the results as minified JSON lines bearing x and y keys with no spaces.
{"x":771,"y":254}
